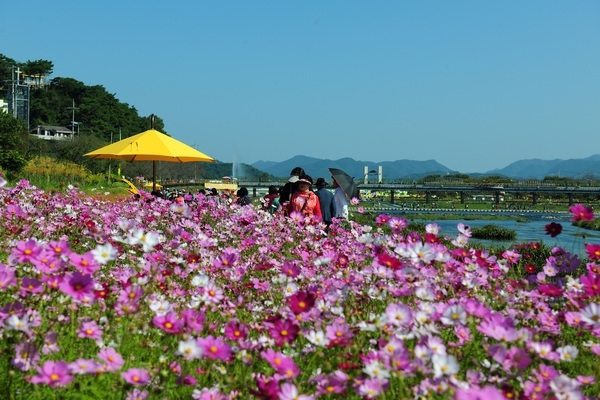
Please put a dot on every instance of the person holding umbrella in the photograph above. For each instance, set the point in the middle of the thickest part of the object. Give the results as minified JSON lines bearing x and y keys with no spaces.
{"x":340,"y":202}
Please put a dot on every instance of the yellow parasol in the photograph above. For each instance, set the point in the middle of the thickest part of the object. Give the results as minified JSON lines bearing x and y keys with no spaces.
{"x":151,"y":145}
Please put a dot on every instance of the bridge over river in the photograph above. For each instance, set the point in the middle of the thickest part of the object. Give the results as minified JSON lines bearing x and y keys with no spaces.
{"x":464,"y":190}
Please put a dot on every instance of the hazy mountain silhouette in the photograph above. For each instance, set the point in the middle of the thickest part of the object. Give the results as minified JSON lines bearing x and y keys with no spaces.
{"x":538,"y":169}
{"x":410,"y":169}
{"x":316,"y":168}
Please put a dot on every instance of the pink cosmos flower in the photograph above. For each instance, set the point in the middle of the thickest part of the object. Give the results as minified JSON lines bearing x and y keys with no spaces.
{"x":83,"y":366}
{"x":290,"y":269}
{"x":338,"y":333}
{"x":581,"y":213}
{"x":59,"y":247}
{"x":289,"y":391}
{"x":85,"y":263}
{"x":212,"y":293}
{"x":53,"y":373}
{"x":48,"y":263}
{"x":194,"y":320}
{"x":284,"y":365}
{"x":131,"y":293}
{"x":382,"y":219}
{"x":477,"y":393}
{"x":170,"y":323}
{"x":26,"y":251}
{"x":7,"y":276}
{"x":215,"y":348}
{"x":90,"y":330}
{"x":50,"y":346}
{"x":372,"y":387}
{"x":78,"y":286}
{"x":187,"y":380}
{"x":212,"y":394}
{"x":267,"y":387}
{"x":113,"y":360}
{"x":31,"y":286}
{"x":27,"y":356}
{"x":136,"y":376}
{"x":137,"y":394}
{"x":334,"y":382}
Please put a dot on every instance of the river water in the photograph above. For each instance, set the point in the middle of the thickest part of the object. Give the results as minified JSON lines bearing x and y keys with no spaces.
{"x":572,"y":238}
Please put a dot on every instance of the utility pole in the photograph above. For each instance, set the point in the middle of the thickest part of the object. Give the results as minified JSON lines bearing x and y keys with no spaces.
{"x":73,"y":108}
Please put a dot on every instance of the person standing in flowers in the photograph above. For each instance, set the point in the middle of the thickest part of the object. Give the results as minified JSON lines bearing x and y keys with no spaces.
{"x":304,"y":200}
{"x":340,"y":201}
{"x":269,"y":198}
{"x":325,"y":201}
{"x":290,"y":187}
{"x":242,"y":197}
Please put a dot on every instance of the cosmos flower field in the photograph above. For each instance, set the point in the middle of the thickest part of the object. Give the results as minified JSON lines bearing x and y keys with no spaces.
{"x":149,"y":299}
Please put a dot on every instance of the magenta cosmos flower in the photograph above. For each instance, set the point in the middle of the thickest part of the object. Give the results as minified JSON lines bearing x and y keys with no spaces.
{"x":283,"y":331}
{"x":581,"y":213}
{"x":136,"y":376}
{"x":593,"y":251}
{"x":78,"y":286}
{"x":301,"y":302}
{"x":53,"y":374}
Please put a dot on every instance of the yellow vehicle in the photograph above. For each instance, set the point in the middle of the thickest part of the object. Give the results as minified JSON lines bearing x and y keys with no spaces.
{"x":132,"y":188}
{"x":224,"y":184}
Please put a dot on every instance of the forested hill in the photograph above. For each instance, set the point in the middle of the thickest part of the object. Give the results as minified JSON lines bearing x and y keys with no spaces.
{"x":99,"y":117}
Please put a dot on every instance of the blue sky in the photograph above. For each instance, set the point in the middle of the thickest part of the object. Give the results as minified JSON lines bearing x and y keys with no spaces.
{"x":474,"y":85}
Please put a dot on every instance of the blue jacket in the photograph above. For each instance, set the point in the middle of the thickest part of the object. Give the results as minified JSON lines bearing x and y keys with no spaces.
{"x":327,"y":206}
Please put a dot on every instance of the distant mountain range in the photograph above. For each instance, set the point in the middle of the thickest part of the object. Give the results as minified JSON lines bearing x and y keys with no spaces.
{"x":410,"y":169}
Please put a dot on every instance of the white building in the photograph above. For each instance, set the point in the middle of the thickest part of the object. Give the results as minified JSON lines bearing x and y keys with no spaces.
{"x":51,"y":132}
{"x":3,"y":105}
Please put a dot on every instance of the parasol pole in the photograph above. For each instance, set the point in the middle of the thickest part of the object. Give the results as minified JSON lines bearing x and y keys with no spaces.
{"x":153,"y":161}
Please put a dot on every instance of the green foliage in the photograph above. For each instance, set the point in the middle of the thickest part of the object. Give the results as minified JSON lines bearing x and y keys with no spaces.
{"x":493,"y":232}
{"x":13,"y":144}
{"x":97,"y":112}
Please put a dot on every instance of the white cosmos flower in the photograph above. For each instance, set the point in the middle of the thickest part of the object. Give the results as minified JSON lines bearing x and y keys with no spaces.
{"x":444,"y":365}
{"x":590,"y":315}
{"x":317,"y":338}
{"x":17,"y":323}
{"x":189,"y":350}
{"x":290,"y":289}
{"x":454,"y":315}
{"x":377,"y":370}
{"x":200,"y":280}
{"x":161,"y":307}
{"x":568,"y":353}
{"x":104,"y":253}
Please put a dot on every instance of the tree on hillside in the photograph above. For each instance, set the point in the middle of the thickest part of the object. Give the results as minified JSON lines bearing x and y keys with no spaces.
{"x":6,"y":65}
{"x":97,"y":112}
{"x":38,"y":68}
{"x":13,"y":144}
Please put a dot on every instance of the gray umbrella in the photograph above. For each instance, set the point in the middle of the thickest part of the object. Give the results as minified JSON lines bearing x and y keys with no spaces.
{"x":345,"y":181}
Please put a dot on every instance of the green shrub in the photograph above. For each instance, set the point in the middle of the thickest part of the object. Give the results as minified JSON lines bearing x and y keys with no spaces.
{"x":493,"y":232}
